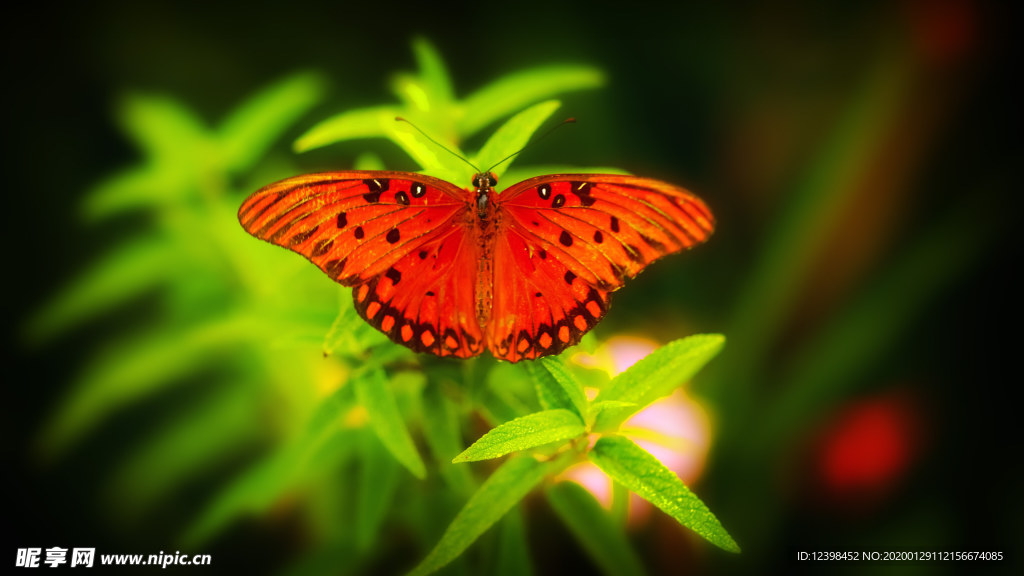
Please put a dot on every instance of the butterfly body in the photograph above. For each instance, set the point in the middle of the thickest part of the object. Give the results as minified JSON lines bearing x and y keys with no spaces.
{"x":450,"y":271}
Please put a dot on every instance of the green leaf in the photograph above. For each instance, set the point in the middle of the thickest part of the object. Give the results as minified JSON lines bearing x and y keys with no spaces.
{"x":513,"y":92}
{"x":433,"y":74}
{"x":608,"y":414}
{"x":435,"y":160}
{"x":142,"y":187}
{"x":523,"y":433}
{"x":378,"y":479}
{"x":376,"y":122}
{"x":602,"y":538}
{"x":375,"y":394}
{"x":509,"y":484}
{"x":556,"y":387}
{"x":520,"y":173}
{"x":169,"y":133}
{"x":253,"y":127}
{"x":513,"y":557}
{"x":513,"y":135}
{"x":642,"y":473}
{"x":658,"y":374}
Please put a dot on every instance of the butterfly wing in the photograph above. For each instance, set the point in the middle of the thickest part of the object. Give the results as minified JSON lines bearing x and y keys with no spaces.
{"x":404,"y":241}
{"x":565,"y":242}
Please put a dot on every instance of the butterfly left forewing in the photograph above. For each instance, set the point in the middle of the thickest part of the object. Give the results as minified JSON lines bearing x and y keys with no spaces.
{"x":353,"y":225}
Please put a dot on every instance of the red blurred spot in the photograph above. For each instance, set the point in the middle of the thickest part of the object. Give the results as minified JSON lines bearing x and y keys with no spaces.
{"x":944,"y":30}
{"x":869,"y":447}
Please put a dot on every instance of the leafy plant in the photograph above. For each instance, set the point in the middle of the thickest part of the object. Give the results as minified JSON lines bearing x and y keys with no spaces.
{"x":339,"y":434}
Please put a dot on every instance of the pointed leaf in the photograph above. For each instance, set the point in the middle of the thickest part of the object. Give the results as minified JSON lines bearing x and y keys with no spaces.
{"x":550,"y":393}
{"x":360,"y":123}
{"x":509,"y":484}
{"x":167,"y":131}
{"x":254,"y":126}
{"x":142,"y":187}
{"x":375,"y":394}
{"x":432,"y":158}
{"x":658,"y":374}
{"x":524,"y":433}
{"x":602,"y":538}
{"x":568,"y":383}
{"x":513,"y":92}
{"x":513,"y":135}
{"x":642,"y":473}
{"x":433,"y":74}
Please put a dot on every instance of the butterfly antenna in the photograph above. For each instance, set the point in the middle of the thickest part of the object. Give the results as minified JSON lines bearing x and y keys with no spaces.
{"x":442,"y":146}
{"x":542,"y":136}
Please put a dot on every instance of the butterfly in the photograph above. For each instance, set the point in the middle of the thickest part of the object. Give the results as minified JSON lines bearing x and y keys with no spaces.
{"x":452,"y":272}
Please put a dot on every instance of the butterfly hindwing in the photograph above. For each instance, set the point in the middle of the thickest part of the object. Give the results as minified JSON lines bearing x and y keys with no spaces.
{"x":420,"y":301}
{"x":540,"y":306}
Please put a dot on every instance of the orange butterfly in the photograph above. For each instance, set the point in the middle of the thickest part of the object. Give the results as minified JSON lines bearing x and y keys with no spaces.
{"x":449,"y":271}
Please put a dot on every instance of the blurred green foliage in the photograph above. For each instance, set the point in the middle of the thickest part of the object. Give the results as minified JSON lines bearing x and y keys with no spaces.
{"x":343,"y":415}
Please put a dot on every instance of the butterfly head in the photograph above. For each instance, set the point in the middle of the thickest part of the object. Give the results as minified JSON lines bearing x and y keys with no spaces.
{"x":484,"y":182}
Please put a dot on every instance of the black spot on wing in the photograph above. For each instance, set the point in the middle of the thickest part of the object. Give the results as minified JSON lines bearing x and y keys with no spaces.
{"x":582,"y":190}
{"x":335,"y":267}
{"x":657,"y":245}
{"x":394,"y":275}
{"x":376,"y":186}
{"x":322,"y":247}
{"x":303,"y":236}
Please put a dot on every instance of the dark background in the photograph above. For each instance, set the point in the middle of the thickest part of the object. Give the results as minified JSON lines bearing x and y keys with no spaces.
{"x":686,"y":99}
